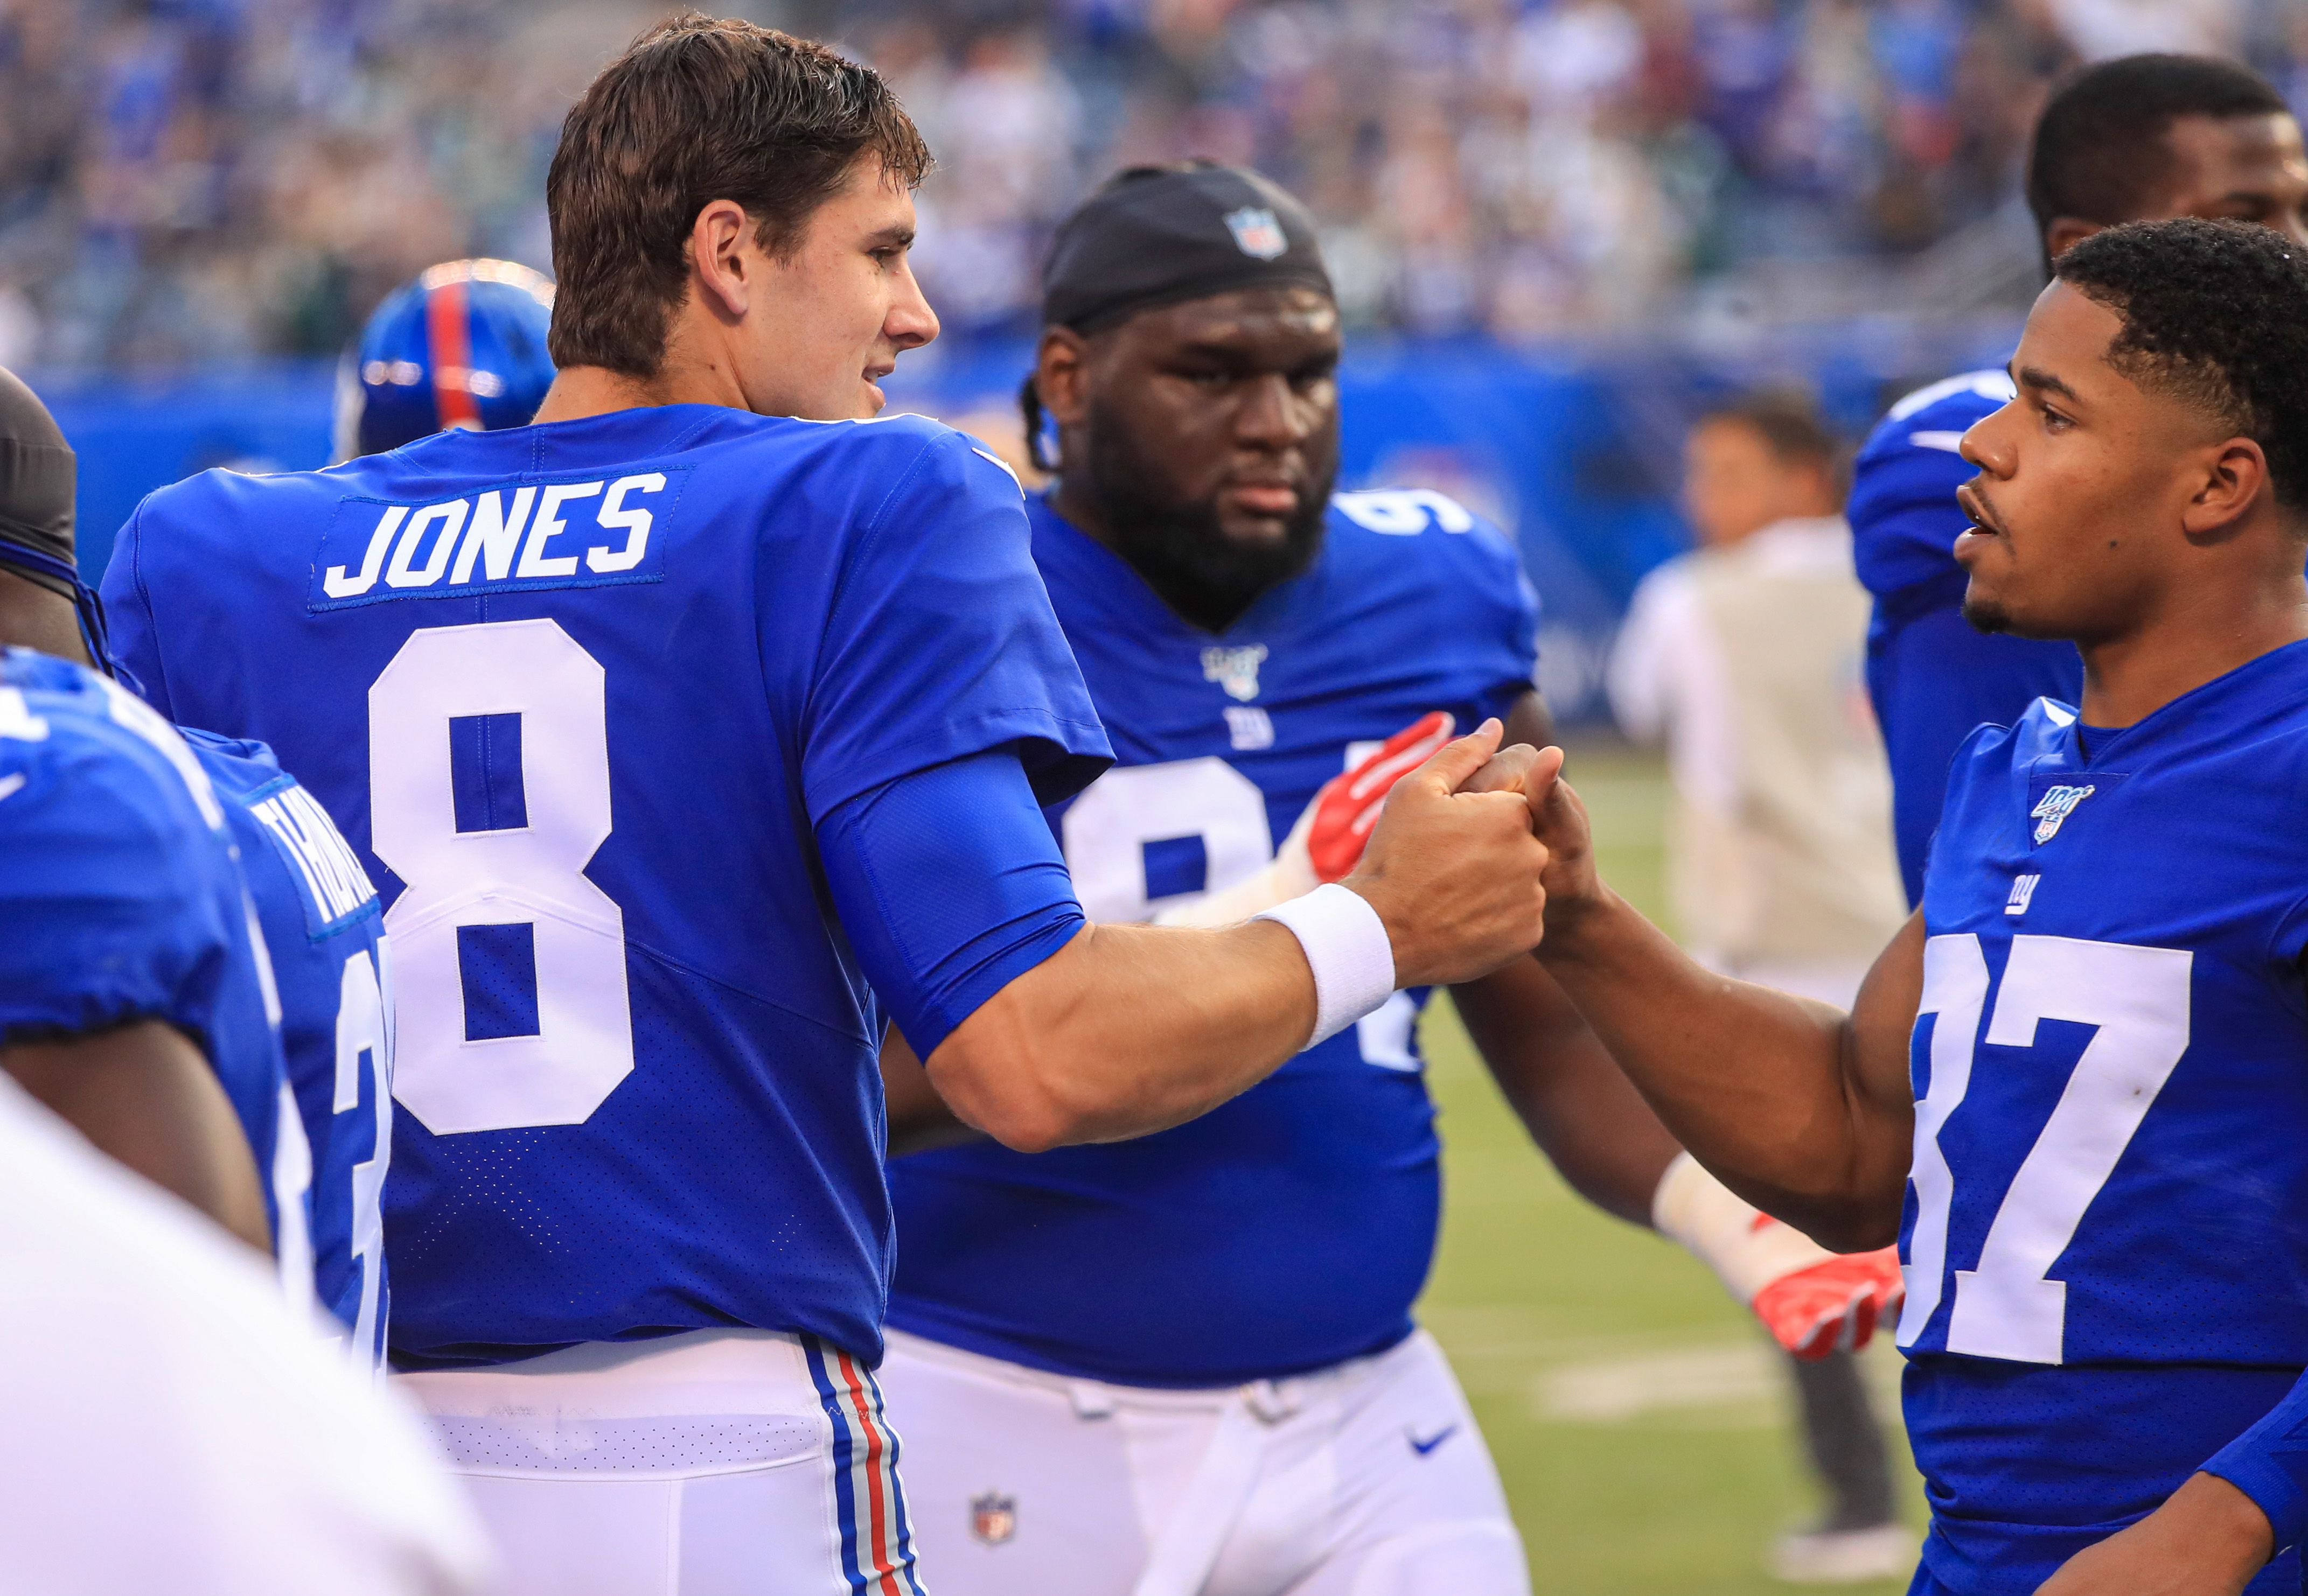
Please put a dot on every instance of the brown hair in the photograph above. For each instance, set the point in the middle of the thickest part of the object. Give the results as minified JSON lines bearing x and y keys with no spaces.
{"x":700,"y":109}
{"x":1788,"y":424}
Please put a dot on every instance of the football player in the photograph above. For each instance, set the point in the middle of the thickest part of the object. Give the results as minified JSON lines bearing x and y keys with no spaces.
{"x":170,"y":1424}
{"x":2076,"y":1084}
{"x":318,"y":917}
{"x":683,"y":737}
{"x":132,"y":1001}
{"x":463,"y":346}
{"x":1187,"y":1363}
{"x":2130,"y":140}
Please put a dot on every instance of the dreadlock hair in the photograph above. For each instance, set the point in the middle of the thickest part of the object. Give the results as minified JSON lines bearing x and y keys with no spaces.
{"x":2216,"y":315}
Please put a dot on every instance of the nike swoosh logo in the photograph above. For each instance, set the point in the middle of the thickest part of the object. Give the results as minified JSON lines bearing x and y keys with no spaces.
{"x":10,"y":785}
{"x":1431,"y":1442}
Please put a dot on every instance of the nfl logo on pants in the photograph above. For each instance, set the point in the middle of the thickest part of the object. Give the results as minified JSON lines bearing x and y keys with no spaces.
{"x":993,"y":1517}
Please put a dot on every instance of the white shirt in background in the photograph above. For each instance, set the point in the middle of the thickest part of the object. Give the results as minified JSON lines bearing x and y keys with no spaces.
{"x":1746,"y":661}
{"x":167,"y":1421}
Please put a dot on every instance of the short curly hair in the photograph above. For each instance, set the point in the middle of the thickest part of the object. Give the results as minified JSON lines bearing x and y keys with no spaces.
{"x":2216,"y":314}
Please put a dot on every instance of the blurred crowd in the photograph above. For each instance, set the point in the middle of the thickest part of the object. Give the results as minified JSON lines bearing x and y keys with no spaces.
{"x":207,"y":179}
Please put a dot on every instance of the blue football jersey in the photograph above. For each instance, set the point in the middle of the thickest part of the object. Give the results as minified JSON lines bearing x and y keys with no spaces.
{"x":2106,"y":1240}
{"x":1933,"y":679}
{"x":121,"y":899}
{"x":1292,"y":1226}
{"x":577,"y":694}
{"x":323,"y":926}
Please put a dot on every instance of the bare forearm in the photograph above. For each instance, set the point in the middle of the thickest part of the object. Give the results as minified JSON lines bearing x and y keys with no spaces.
{"x":1761,"y":1086}
{"x":1129,"y":1029}
{"x":1583,"y":1113}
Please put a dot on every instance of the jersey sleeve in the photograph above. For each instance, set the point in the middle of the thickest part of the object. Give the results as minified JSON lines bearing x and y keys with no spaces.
{"x":949,"y":885}
{"x":2269,"y":1462}
{"x":941,"y":643}
{"x":1506,"y":660}
{"x":108,"y":917}
{"x":1903,"y":511}
{"x":128,"y":616}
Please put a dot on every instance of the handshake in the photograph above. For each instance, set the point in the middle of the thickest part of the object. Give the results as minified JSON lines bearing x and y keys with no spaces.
{"x":1442,"y":838}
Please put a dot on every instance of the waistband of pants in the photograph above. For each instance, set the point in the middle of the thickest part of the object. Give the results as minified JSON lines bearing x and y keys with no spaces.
{"x":1271,"y":1400}
{"x":702,"y":1402}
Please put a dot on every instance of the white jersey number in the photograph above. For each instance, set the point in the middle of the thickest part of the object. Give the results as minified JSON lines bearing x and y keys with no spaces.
{"x":2007,"y":1306}
{"x":532,"y":875}
{"x":362,"y":1037}
{"x":1105,"y":836}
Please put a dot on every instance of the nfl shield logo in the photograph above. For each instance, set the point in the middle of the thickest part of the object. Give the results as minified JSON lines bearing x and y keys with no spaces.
{"x":993,"y":1517}
{"x":1256,"y":232}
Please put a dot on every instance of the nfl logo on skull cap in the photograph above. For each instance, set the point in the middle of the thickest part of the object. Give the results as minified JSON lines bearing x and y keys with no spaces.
{"x":1256,"y":232}
{"x":993,"y":1517}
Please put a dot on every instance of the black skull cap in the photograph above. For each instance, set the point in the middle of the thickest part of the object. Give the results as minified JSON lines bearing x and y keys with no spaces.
{"x":36,"y":476}
{"x":1156,"y":236}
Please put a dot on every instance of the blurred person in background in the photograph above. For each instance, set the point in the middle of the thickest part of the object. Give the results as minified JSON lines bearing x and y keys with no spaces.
{"x":2133,"y":140}
{"x":1744,"y":657}
{"x":324,"y":1108}
{"x":463,"y":346}
{"x":173,"y":1422}
{"x":1187,"y":1364}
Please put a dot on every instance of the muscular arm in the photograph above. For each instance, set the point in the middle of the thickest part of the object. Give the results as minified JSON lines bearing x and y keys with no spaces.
{"x":144,"y":1094}
{"x":1802,"y":1109}
{"x":1123,"y":1030}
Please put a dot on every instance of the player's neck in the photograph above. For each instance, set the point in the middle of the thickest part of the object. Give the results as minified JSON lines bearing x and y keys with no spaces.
{"x":2128,"y":678}
{"x":32,"y":616}
{"x":579,"y":391}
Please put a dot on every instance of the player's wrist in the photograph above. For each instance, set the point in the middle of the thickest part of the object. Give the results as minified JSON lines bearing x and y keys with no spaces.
{"x":2219,"y":1528}
{"x":1349,"y":949}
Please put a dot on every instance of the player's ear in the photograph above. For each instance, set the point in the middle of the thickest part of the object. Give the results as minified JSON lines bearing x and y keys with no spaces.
{"x":720,"y":261}
{"x":2066,"y":232}
{"x":2234,"y":475}
{"x":1061,"y":375}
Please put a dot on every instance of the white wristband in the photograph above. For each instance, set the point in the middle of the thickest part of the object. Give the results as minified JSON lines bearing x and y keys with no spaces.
{"x":1346,"y":946}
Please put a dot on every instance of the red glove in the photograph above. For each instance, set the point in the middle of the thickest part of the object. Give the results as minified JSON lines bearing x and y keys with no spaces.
{"x":1834,"y":1305}
{"x":1347,"y":806}
{"x":1811,"y":1300}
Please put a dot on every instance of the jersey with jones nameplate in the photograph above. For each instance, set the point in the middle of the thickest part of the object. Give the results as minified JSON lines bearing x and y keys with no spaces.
{"x":1932,"y":677}
{"x":120,"y":899}
{"x":323,"y":927}
{"x":584,"y":697}
{"x":1292,"y":1227}
{"x":2107,"y":1241}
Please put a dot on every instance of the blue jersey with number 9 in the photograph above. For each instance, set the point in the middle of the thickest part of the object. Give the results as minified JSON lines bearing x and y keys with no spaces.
{"x":2106,"y":1240}
{"x":1292,"y":1227}
{"x":582,"y":697}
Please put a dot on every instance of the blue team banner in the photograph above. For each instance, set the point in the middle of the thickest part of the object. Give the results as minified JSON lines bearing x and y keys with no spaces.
{"x":591,"y":531}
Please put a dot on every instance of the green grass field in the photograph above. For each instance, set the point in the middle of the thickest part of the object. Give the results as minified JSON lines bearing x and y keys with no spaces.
{"x":1638,"y":1416}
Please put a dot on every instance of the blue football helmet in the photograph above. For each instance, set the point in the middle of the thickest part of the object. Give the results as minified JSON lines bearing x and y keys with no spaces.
{"x":463,"y":346}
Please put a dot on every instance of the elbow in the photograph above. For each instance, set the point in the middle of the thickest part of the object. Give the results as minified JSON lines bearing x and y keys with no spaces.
{"x":999,"y":1086}
{"x":1857,"y":1232}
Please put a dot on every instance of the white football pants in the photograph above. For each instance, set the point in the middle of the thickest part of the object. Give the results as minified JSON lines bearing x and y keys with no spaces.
{"x":716,"y":1462}
{"x":1367,"y":1478}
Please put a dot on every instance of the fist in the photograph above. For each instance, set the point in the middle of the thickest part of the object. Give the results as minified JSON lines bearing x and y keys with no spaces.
{"x":1454,"y":874}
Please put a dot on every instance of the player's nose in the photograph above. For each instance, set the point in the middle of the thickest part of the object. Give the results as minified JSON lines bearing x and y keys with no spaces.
{"x":911,"y":322}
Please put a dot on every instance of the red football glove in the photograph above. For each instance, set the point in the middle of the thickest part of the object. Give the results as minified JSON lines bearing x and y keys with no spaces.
{"x":1811,"y":1300}
{"x":1832,"y":1306}
{"x":1347,"y":806}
